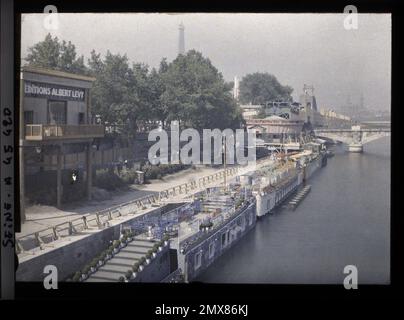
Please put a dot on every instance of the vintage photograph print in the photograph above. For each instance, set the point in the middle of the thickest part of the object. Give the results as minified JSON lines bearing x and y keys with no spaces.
{"x":225,"y":148}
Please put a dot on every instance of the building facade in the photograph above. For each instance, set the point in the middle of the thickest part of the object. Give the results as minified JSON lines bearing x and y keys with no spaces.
{"x":56,"y":120}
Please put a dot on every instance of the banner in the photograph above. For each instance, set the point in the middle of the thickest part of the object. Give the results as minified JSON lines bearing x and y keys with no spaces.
{"x":53,"y":91}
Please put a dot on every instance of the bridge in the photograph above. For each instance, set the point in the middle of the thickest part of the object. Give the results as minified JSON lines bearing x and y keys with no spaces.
{"x":357,"y":135}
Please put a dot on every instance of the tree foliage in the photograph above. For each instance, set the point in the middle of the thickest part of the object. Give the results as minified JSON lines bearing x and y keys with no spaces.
{"x":56,"y":55}
{"x":189,"y":89}
{"x":259,"y":88}
{"x":197,"y":95}
{"x":121,"y":93}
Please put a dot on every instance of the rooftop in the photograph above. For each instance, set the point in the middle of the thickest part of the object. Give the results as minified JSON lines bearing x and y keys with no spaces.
{"x":57,"y":73}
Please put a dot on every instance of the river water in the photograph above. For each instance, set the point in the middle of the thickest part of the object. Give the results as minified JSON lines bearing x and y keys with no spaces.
{"x":344,"y":220}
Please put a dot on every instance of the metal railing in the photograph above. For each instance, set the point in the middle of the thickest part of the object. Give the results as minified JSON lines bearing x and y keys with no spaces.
{"x":218,"y":223}
{"x":48,"y":131}
{"x":100,"y":219}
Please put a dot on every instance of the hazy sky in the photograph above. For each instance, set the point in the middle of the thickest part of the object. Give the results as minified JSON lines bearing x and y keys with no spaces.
{"x":296,"y":48}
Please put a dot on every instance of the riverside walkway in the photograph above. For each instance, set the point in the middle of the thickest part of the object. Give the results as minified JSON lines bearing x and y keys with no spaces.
{"x":73,"y":229}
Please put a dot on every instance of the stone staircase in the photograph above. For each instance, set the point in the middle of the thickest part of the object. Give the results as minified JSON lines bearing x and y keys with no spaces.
{"x":122,"y":261}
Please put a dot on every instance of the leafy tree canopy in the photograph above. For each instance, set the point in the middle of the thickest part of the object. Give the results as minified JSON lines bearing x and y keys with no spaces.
{"x":189,"y":89}
{"x":56,"y":55}
{"x":121,"y":94}
{"x":259,"y":88}
{"x":197,"y":95}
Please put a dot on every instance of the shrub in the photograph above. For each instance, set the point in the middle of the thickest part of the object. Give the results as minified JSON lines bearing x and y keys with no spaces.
{"x":158,"y":171}
{"x":77,"y":276}
{"x":102,"y":256}
{"x":116,"y":244}
{"x":128,"y":274}
{"x":121,"y":279}
{"x":86,"y":269}
{"x":94,"y":263}
{"x":124,"y":238}
{"x":136,"y":267}
{"x":142,"y":260}
{"x":149,"y":254}
{"x":128,"y":176}
{"x":108,"y":180}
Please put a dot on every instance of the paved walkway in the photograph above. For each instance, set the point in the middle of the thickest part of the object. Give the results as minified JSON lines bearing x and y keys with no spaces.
{"x":40,"y":217}
{"x":46,"y":219}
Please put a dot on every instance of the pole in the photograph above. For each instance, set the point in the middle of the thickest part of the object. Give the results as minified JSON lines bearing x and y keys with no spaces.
{"x":89,"y":169}
{"x":224,"y":176}
{"x":59,"y":177}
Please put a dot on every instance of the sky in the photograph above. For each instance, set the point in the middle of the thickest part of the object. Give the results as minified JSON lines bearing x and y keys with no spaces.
{"x":297,"y":48}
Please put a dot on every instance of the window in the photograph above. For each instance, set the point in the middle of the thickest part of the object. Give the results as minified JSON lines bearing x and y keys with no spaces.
{"x":28,"y":117}
{"x":81,"y":117}
{"x":211,"y":249}
{"x":57,"y":112}
{"x":198,"y":260}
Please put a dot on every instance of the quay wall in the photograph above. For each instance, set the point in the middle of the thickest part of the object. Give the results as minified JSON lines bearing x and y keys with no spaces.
{"x":67,"y":258}
{"x":71,"y":257}
{"x":158,"y":269}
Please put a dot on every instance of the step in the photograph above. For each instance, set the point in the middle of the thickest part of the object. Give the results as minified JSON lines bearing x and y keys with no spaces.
{"x":142,"y":243}
{"x":136,"y":249}
{"x":99,"y":279}
{"x":117,"y":268}
{"x":140,"y":247}
{"x":123,"y":261}
{"x":111,"y":276}
{"x":129,"y":255}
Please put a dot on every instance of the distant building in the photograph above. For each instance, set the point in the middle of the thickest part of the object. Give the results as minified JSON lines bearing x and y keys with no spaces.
{"x":250,"y":111}
{"x":332,"y":114}
{"x":284,"y":109}
{"x":275,"y":127}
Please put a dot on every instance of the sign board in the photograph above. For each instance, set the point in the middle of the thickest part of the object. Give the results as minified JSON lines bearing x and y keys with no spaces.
{"x":53,"y":91}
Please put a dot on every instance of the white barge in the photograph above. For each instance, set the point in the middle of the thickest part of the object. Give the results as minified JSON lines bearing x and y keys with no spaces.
{"x":272,"y":185}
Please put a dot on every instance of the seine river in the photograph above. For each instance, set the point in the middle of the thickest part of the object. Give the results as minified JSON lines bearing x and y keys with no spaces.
{"x":344,"y":220}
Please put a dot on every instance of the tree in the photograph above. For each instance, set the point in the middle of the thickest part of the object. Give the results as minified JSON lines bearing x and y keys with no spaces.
{"x":158,"y":110}
{"x":189,"y":89}
{"x":55,"y":55}
{"x":197,"y":95}
{"x":259,"y":88}
{"x":121,"y":94}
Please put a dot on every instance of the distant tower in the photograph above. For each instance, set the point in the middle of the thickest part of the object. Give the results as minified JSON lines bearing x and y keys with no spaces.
{"x":307,"y":99}
{"x":181,"y":40}
{"x":236,"y":90}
